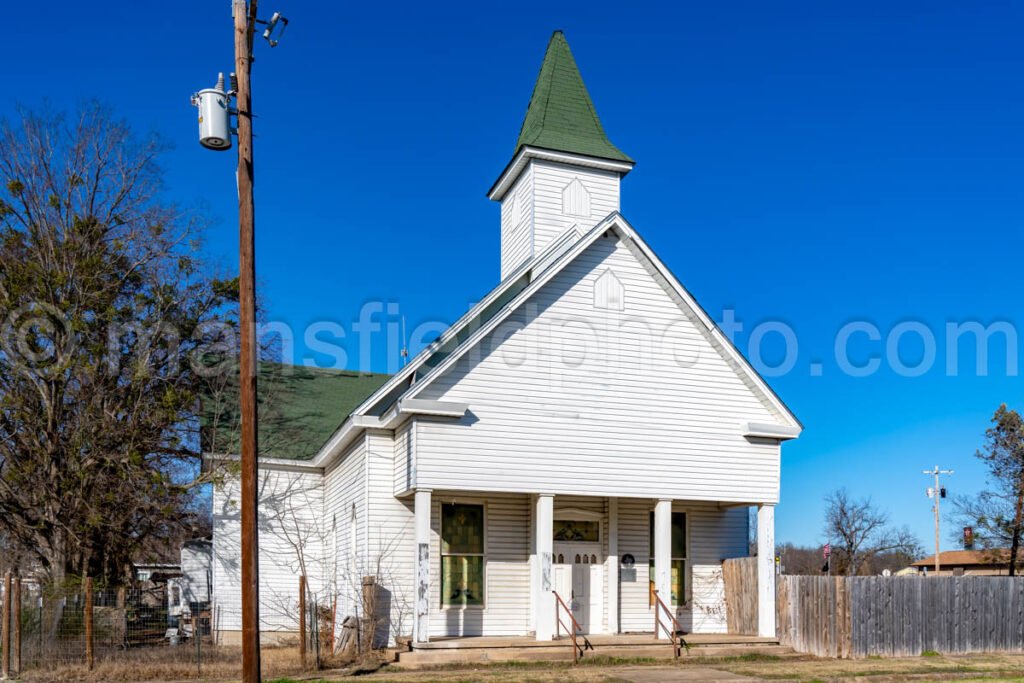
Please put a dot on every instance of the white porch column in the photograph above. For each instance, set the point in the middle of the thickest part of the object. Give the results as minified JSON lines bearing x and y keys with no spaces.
{"x":613,"y":565}
{"x":766,"y":570}
{"x":663,"y":562}
{"x":543,"y":599}
{"x":421,"y":623}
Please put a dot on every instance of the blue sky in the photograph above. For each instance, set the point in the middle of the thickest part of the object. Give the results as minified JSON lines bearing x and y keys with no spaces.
{"x":811,"y":163}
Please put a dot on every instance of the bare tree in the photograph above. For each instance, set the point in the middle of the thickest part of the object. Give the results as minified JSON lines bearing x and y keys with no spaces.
{"x":997,"y":513}
{"x":858,"y":531}
{"x":104,"y":302}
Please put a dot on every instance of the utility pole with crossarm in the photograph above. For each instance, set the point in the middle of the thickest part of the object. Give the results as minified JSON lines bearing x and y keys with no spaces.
{"x":937,"y":493}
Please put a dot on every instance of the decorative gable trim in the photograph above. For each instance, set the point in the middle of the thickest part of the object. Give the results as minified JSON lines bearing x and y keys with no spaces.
{"x":757,"y":430}
{"x":576,"y":199}
{"x":609,"y":294}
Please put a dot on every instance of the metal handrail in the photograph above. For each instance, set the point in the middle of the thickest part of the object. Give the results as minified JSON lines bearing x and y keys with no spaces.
{"x":577,"y":649}
{"x":677,"y":628}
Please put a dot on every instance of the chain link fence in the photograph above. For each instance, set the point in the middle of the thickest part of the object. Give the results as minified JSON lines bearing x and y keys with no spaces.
{"x":85,"y":631}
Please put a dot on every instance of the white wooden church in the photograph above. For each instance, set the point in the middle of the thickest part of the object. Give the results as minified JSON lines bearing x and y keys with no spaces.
{"x":584,"y":430}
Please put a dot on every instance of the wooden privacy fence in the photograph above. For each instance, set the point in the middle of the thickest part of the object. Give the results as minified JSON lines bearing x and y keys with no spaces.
{"x":899,"y":616}
{"x":740,"y":578}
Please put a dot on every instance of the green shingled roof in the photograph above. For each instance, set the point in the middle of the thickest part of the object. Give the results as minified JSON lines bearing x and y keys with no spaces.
{"x":561,"y":116}
{"x":299,"y":409}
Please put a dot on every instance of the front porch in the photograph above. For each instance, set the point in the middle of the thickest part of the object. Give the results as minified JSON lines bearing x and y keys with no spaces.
{"x":525,"y":648}
{"x":488,"y":568}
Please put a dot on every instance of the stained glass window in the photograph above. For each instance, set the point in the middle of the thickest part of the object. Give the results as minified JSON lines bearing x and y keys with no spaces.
{"x":574,"y":530}
{"x":678,"y":566}
{"x":462,"y":555}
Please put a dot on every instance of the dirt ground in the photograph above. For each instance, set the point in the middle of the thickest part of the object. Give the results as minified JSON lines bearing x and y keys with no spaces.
{"x":281,"y":665}
{"x":805,"y":669}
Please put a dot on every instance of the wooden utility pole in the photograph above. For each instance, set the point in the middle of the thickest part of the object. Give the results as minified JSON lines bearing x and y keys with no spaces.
{"x":245,"y":19}
{"x":936,"y":495}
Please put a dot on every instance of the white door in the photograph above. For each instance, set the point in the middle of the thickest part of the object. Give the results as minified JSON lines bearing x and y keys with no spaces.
{"x":579,"y":581}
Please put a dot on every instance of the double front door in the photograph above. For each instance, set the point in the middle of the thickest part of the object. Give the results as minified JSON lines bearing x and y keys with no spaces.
{"x":579,"y":580}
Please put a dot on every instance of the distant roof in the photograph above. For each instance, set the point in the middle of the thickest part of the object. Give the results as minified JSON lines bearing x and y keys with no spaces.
{"x":964,"y":558}
{"x":299,"y":408}
{"x":561,"y":116}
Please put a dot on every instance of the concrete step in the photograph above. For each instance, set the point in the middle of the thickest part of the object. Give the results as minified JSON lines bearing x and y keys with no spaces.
{"x":477,"y":655}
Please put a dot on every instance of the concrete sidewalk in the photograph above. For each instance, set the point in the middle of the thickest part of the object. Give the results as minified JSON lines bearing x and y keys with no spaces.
{"x":647,"y":674}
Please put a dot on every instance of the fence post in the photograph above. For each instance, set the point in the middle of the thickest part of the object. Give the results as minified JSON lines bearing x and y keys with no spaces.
{"x":197,"y":636}
{"x":334,"y":617}
{"x":302,"y":621}
{"x":314,"y":633}
{"x":89,"y":661}
{"x":5,"y":628}
{"x":16,"y":627}
{"x":369,"y":623}
{"x":122,"y":615}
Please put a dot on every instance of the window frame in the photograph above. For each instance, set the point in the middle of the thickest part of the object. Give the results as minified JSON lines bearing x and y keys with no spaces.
{"x":442,"y":555}
{"x":575,"y":518}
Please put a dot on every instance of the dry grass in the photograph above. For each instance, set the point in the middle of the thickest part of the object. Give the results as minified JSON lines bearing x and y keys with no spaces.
{"x":282,"y":663}
{"x":805,"y":669}
{"x":170,"y":664}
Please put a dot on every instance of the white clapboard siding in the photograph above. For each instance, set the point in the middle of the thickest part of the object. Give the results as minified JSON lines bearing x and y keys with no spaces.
{"x":507,"y":544}
{"x":196,"y":566}
{"x":547,"y":199}
{"x":564,"y":196}
{"x":516,"y":222}
{"x":345,"y":506}
{"x":714,"y":534}
{"x":390,"y":552}
{"x":635,"y":615}
{"x":581,"y":400}
{"x":291,"y":538}
{"x":405,"y":459}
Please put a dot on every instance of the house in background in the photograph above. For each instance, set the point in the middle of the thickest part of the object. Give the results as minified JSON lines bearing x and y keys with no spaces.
{"x":586,"y":429}
{"x":992,"y":562}
{"x":196,"y":570}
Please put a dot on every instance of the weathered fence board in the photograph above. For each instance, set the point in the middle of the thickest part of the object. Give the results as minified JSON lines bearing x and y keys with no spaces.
{"x":899,"y":616}
{"x":740,"y":577}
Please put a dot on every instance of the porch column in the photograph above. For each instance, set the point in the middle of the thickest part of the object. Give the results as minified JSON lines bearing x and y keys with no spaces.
{"x":613,"y":565}
{"x":766,"y":570}
{"x":421,"y":623}
{"x":663,"y":563}
{"x":544,"y":600}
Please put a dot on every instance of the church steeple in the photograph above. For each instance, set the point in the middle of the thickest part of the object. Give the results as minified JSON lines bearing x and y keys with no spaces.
{"x":561,"y":116}
{"x":565,"y":172}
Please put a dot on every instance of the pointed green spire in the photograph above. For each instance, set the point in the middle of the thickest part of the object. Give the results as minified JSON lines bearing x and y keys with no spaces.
{"x":561,"y":116}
